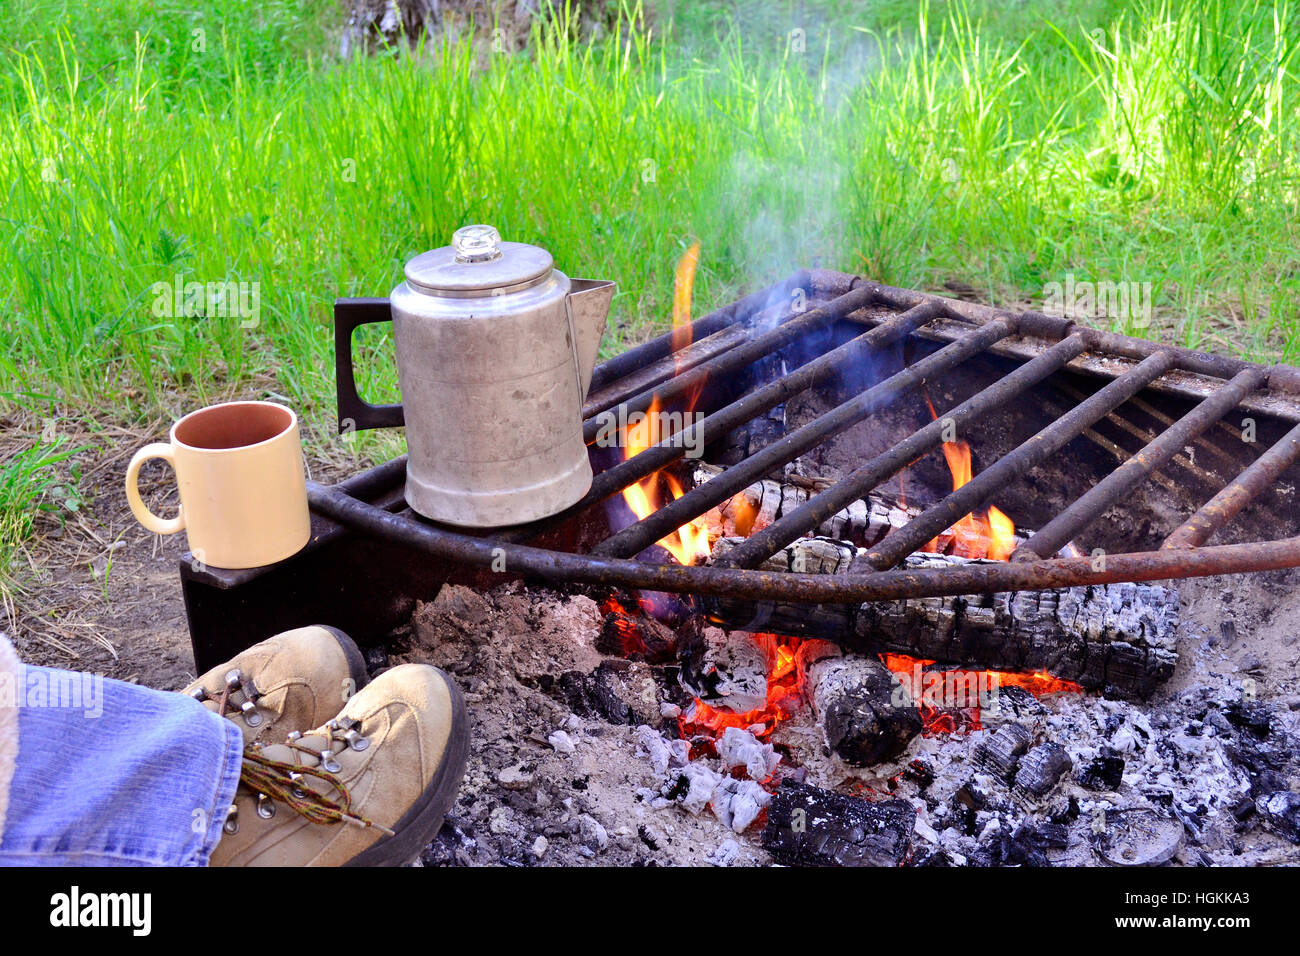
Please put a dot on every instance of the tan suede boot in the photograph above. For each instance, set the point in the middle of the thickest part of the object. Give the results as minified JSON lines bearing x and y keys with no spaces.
{"x":368,"y":788}
{"x":295,"y":680}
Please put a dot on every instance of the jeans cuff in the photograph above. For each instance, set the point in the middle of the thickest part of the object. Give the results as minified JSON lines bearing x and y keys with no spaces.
{"x":225,"y":792}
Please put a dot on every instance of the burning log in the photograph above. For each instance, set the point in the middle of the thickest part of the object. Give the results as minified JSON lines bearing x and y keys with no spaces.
{"x":862,"y":523}
{"x":807,"y":826}
{"x":1119,"y":638}
{"x":864,"y":711}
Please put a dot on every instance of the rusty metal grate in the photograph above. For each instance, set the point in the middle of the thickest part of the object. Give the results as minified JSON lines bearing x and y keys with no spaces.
{"x":728,"y":342}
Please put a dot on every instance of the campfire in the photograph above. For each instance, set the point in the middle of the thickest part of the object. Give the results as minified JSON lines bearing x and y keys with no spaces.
{"x":864,"y":577}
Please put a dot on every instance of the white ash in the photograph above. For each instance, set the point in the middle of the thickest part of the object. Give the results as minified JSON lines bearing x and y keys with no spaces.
{"x":561,"y":742}
{"x":1179,"y":765}
{"x":700,"y":782}
{"x":739,"y":748}
{"x":725,"y":854}
{"x":732,"y":672}
{"x":697,"y":785}
{"x":737,"y":803}
{"x":548,"y":784}
{"x":661,"y":753}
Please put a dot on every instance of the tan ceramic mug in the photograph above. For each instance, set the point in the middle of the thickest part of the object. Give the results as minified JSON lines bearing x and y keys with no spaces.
{"x":239,"y":468}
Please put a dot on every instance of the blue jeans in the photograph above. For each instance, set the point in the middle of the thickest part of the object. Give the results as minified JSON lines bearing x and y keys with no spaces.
{"x":113,"y":774}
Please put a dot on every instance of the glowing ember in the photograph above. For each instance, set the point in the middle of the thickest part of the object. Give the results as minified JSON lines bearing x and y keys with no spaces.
{"x":949,"y":700}
{"x":784,"y":696}
{"x":744,"y":514}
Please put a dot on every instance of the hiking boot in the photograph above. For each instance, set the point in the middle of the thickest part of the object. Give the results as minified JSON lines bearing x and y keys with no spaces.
{"x":368,"y":788}
{"x":295,"y":680}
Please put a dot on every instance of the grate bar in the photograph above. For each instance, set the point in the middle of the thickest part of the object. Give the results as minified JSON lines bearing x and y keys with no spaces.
{"x":656,"y":373}
{"x":673,"y":515}
{"x":1223,"y":507}
{"x":613,"y":480}
{"x":765,"y":543}
{"x":854,"y":588}
{"x":1015,"y":463}
{"x":1088,"y":508}
{"x":732,"y":360}
{"x":627,"y":362}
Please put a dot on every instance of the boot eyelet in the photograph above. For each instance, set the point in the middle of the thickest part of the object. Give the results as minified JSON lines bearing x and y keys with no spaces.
{"x":234,"y":678}
{"x":232,"y":820}
{"x":328,"y":763}
{"x":265,"y":806}
{"x":251,"y":715}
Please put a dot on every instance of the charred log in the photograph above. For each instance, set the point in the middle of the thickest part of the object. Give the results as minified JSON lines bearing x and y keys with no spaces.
{"x":1042,"y":768}
{"x":1281,"y":813}
{"x":1118,"y":638}
{"x":726,"y":668}
{"x":807,"y":826}
{"x":1103,"y":772}
{"x":1027,"y":844}
{"x":866,"y":714}
{"x":619,"y":691}
{"x":1001,"y":752}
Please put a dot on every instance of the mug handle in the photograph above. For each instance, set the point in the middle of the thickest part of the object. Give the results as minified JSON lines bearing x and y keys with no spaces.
{"x":142,"y":514}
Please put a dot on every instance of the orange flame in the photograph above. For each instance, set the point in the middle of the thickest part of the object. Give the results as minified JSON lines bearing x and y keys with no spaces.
{"x":989,"y":535}
{"x":1002,"y":535}
{"x":689,"y":543}
{"x":683,"y":288}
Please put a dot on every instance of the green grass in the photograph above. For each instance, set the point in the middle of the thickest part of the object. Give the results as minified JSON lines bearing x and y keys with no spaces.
{"x":30,"y":482}
{"x":999,"y":145}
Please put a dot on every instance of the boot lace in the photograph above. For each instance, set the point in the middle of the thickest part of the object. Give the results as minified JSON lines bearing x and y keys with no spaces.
{"x":283,"y":782}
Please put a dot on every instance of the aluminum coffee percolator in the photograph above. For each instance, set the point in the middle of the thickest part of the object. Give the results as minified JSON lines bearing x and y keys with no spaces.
{"x":495,"y":350}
